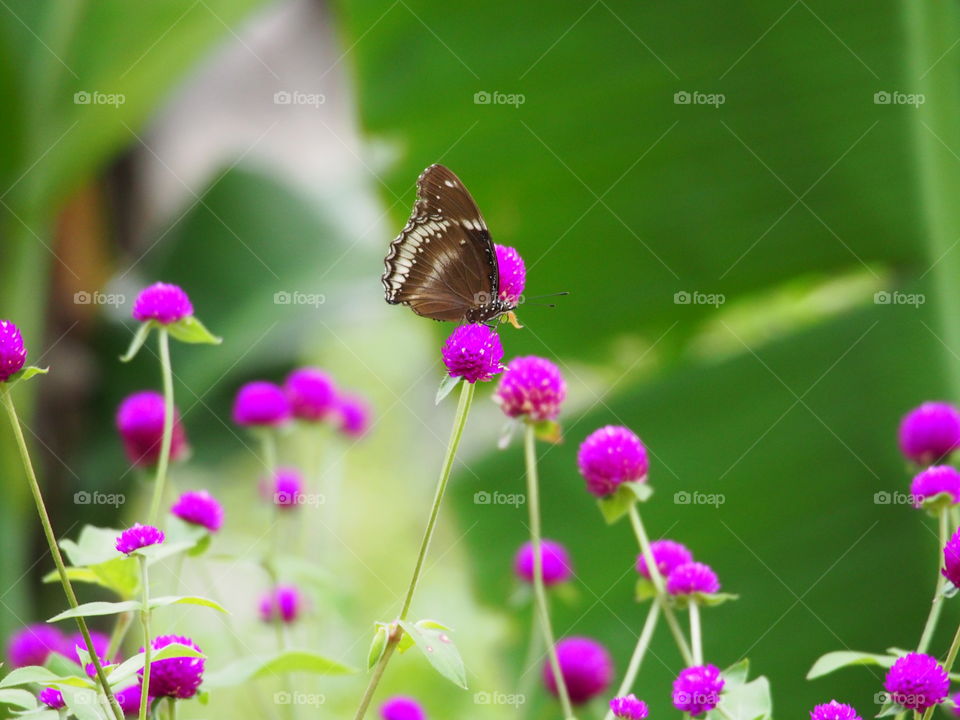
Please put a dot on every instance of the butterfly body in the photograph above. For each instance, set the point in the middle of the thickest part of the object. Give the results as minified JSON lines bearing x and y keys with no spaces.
{"x":443,"y":264}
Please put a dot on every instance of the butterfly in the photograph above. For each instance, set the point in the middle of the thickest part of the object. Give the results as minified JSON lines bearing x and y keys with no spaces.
{"x":443,"y":264}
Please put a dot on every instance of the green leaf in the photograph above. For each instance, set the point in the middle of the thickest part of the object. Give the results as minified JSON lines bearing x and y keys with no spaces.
{"x":378,"y":645}
{"x":94,"y":545}
{"x":645,"y":590}
{"x":891,"y":708}
{"x":289,"y":661}
{"x":97,"y":609}
{"x":433,"y":640}
{"x":167,"y":600}
{"x":446,"y":387}
{"x":747,"y":701}
{"x":42,"y":676}
{"x":191,"y":330}
{"x":119,"y":575}
{"x":618,"y":504}
{"x":22,"y":699}
{"x":834,"y":661}
{"x":139,"y":338}
{"x":549,"y":431}
{"x":737,"y":673}
{"x":27,"y":373}
{"x":704,"y":599}
{"x":83,"y":703}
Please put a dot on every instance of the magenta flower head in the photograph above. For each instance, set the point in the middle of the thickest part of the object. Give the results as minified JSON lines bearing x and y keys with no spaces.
{"x":312,"y":394}
{"x":697,"y":689}
{"x":916,"y":682}
{"x":52,"y":698}
{"x":610,"y":456}
{"x":531,"y":387}
{"x":129,"y":698}
{"x":629,"y":708}
{"x":667,"y":554}
{"x":834,"y":711}
{"x":13,"y":353}
{"x":140,"y":423}
{"x":33,"y":645}
{"x":175,"y":677}
{"x":692,"y":577}
{"x":513,"y":273}
{"x":354,"y":416}
{"x":473,"y":352}
{"x":261,"y":403}
{"x":199,"y":507}
{"x":137,"y":537}
{"x":286,"y":490}
{"x":586,"y":667}
{"x":930,"y":432}
{"x":934,"y":480}
{"x":557,"y":567}
{"x":283,"y":603}
{"x":951,"y":559}
{"x":955,"y":708}
{"x":400,"y":707}
{"x":163,"y":303}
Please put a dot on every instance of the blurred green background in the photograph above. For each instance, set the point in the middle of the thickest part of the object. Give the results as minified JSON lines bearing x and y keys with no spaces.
{"x":799,"y":162}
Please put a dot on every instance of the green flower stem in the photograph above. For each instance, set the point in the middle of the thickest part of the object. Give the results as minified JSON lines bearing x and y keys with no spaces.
{"x":955,"y":517}
{"x":55,"y":549}
{"x":166,"y":442}
{"x":459,"y":422}
{"x":172,"y":708}
{"x":147,"y":639}
{"x":533,"y":653}
{"x":695,"y":636}
{"x":937,"y":605}
{"x":658,"y":585}
{"x":643,"y":642}
{"x":539,"y":592}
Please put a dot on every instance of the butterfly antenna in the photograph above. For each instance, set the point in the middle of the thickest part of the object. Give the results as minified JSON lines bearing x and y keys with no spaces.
{"x":549,"y":295}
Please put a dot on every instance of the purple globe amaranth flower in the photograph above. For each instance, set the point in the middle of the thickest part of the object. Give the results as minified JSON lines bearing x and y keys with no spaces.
{"x":834,"y":711}
{"x":473,"y":352}
{"x":140,"y":423}
{"x":951,"y":559}
{"x":129,"y":698}
{"x":916,"y":682}
{"x":692,"y":577}
{"x":52,"y":698}
{"x":513,"y":273}
{"x":629,"y":707}
{"x":13,"y":353}
{"x":175,"y":677}
{"x":697,"y":689}
{"x":33,"y":644}
{"x":312,"y":394}
{"x":283,"y":603}
{"x":286,"y":490}
{"x":354,"y":416}
{"x":555,"y":561}
{"x":934,"y":480}
{"x":531,"y":387}
{"x":163,"y":303}
{"x":137,"y":537}
{"x":586,"y":666}
{"x":930,"y":432}
{"x":401,"y":707}
{"x":667,"y":554}
{"x":610,"y":456}
{"x":199,"y":507}
{"x":261,"y":403}
{"x":101,"y":643}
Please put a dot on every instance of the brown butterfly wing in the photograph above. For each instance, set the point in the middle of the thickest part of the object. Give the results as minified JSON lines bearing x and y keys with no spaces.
{"x":443,"y":263}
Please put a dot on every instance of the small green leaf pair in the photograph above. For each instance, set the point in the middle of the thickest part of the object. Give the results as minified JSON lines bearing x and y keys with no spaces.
{"x":187,"y":330}
{"x":618,"y":504}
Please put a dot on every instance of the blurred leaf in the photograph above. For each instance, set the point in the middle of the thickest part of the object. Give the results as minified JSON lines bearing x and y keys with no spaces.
{"x":98,"y":608}
{"x":617,"y":505}
{"x":290,"y":661}
{"x":21,"y":699}
{"x":190,"y":330}
{"x":833,"y":661}
{"x":83,"y":703}
{"x":433,"y":640}
{"x":746,"y":701}
{"x":168,"y":600}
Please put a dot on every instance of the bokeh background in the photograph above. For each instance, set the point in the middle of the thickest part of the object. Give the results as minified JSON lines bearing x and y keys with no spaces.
{"x":753,"y":207}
